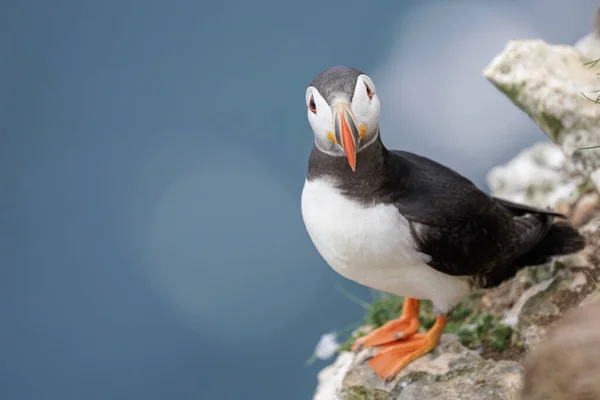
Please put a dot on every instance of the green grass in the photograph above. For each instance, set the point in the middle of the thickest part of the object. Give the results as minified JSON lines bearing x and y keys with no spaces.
{"x":472,"y":328}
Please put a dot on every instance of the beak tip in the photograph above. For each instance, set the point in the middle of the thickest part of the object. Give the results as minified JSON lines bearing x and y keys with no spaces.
{"x":352,"y":163}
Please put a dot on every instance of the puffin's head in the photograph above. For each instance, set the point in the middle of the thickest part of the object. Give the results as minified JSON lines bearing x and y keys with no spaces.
{"x":343,"y":111}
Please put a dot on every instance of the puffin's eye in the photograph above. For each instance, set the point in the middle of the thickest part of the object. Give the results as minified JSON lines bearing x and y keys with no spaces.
{"x":312,"y":105}
{"x":369,"y":91}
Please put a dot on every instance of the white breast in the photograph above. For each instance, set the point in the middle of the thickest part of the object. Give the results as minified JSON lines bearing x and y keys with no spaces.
{"x":372,"y":245}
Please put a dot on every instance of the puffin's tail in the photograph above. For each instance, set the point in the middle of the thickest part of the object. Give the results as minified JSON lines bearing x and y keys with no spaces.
{"x":561,"y":239}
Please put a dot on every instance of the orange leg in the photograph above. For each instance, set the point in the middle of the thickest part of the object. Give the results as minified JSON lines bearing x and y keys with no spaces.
{"x":393,"y":357}
{"x":401,"y":328}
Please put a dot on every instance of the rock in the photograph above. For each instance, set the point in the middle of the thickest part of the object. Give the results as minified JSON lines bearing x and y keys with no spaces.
{"x":584,"y":210}
{"x":330,"y":378}
{"x":548,"y":82}
{"x":451,"y":371}
{"x":540,"y":310}
{"x":511,"y":317}
{"x":538,"y":176}
{"x":589,"y":45}
{"x":477,"y":381}
{"x":503,"y":299}
{"x":595,"y":177}
{"x":575,"y":278}
{"x":574,"y":344}
{"x":592,"y":297}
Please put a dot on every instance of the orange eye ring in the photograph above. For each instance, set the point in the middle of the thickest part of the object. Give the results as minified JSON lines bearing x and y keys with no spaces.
{"x":369,"y":91}
{"x":311,"y":105}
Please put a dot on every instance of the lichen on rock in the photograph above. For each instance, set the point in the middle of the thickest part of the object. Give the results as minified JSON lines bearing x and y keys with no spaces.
{"x":451,"y":371}
{"x":553,"y":84}
{"x":538,"y":176}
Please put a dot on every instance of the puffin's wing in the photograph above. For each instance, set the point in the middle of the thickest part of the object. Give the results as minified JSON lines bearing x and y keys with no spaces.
{"x":527,"y":232}
{"x":520,"y":209}
{"x":489,"y":249}
{"x":528,"y":246}
{"x":463,"y":230}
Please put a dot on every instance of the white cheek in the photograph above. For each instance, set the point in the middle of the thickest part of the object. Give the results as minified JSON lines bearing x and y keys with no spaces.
{"x":314,"y":124}
{"x":374,"y":114}
{"x":366,"y":111}
{"x":320,"y":124}
{"x":361,"y":110}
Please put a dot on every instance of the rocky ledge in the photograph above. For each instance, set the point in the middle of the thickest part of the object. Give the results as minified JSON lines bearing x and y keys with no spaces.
{"x":550,"y":84}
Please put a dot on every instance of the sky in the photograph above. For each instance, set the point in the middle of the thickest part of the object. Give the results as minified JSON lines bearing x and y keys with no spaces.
{"x":152,"y":158}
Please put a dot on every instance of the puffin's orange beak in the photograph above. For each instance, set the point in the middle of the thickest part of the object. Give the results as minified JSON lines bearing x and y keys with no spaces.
{"x":346,"y":133}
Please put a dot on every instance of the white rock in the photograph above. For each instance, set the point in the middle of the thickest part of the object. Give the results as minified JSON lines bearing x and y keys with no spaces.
{"x":327,"y":346}
{"x":537,"y":176}
{"x":429,"y":377}
{"x":511,"y":317}
{"x":579,"y":280}
{"x":589,"y":45}
{"x":548,"y":83}
{"x":330,"y":378}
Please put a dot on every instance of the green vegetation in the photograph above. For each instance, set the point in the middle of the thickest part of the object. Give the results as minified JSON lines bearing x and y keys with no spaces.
{"x":473,"y":327}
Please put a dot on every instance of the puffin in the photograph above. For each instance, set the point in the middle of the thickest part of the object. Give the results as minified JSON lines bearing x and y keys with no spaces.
{"x":403,"y":224}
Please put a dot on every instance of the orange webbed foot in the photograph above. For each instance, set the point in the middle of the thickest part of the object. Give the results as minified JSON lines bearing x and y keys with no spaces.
{"x":398,"y":329}
{"x":393,"y":357}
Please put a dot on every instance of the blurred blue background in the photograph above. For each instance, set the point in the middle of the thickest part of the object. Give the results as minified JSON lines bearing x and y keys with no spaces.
{"x":152,"y":158}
